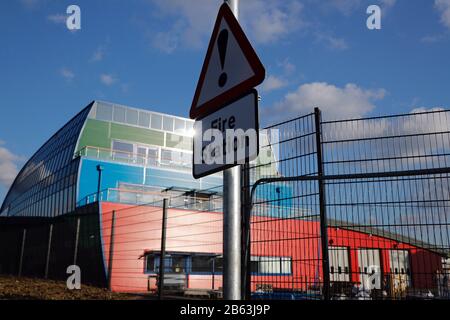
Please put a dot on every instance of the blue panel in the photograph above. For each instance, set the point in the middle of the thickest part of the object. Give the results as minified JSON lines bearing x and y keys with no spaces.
{"x":278,"y":198}
{"x":112,"y":174}
{"x":115,"y":173}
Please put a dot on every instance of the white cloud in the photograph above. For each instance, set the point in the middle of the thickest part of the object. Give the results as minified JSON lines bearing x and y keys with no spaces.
{"x":8,"y":166}
{"x":268,"y":22}
{"x":345,"y":7}
{"x":273,"y":83}
{"x":165,"y":41}
{"x":420,"y":121}
{"x":331,"y":41}
{"x":67,"y":74}
{"x":57,"y":18}
{"x":350,"y":101}
{"x":192,"y":25}
{"x":264,"y":21}
{"x":432,"y":38}
{"x":443,"y":6}
{"x":30,"y":4}
{"x":108,"y":79}
{"x":98,"y":54}
{"x":387,"y":5}
{"x":348,"y":7}
{"x":287,"y":66}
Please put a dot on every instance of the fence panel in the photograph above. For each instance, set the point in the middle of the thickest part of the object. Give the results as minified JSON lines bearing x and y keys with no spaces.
{"x":399,"y":226}
{"x":286,"y":248}
{"x":380,"y":221}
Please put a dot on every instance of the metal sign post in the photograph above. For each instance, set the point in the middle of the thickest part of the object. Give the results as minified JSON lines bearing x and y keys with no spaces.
{"x":232,"y":221}
{"x":225,"y":102}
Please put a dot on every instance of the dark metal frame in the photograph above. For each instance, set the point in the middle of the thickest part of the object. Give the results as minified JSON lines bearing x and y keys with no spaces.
{"x":324,"y":179}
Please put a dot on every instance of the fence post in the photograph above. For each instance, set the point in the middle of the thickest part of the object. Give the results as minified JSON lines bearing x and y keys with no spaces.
{"x":163,"y":251}
{"x":77,"y":235}
{"x":22,"y":251}
{"x":213,"y":273}
{"x":246,"y":243}
{"x":322,"y":207}
{"x":111,"y":249}
{"x":49,"y":247}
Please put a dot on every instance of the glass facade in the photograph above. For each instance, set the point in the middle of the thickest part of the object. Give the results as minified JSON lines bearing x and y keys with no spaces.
{"x":46,"y":186}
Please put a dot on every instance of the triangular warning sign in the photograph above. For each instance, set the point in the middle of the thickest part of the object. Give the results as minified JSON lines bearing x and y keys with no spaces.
{"x":231,"y":66}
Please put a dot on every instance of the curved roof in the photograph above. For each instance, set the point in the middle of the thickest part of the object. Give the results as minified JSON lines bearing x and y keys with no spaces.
{"x":39,"y":173}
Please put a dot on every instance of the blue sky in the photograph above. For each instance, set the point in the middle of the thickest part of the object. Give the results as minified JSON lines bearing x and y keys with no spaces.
{"x":148,"y":54}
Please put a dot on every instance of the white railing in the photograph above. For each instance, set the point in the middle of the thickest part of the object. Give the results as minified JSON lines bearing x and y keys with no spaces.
{"x":134,"y":197}
{"x":133,"y":158}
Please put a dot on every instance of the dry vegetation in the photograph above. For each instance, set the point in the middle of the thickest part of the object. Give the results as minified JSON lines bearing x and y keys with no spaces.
{"x":39,"y":289}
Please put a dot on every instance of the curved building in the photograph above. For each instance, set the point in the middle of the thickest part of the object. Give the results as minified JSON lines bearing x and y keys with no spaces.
{"x":136,"y":150}
{"x":107,"y":154}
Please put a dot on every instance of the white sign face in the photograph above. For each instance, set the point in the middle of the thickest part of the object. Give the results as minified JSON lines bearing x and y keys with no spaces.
{"x":230,"y":69}
{"x":227,"y":137}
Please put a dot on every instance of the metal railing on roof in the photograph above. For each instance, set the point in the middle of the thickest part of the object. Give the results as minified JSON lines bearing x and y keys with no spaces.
{"x":136,"y":197}
{"x":190,"y":202}
{"x":133,"y":158}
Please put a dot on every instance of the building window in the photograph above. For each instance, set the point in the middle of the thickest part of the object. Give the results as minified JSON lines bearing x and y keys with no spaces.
{"x":144,"y":119}
{"x":177,"y":264}
{"x":179,"y":126}
{"x":206,"y":264}
{"x":119,"y":114}
{"x":185,"y":263}
{"x":156,"y":121}
{"x":122,"y":150}
{"x":189,"y":126}
{"x":153,"y":156}
{"x":271,"y":265}
{"x":104,"y":112}
{"x":399,"y":261}
{"x":151,"y":263}
{"x":132,"y":117}
{"x":166,"y":156}
{"x":178,"y":158}
{"x":173,"y":263}
{"x":168,"y":124}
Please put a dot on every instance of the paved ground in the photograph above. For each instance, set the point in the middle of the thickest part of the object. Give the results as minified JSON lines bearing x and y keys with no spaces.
{"x":14,"y":288}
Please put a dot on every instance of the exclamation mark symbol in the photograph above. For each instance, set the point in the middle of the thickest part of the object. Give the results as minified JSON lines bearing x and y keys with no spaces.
{"x":222,"y":42}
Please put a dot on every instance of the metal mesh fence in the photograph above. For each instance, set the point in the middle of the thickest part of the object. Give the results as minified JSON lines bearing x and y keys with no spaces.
{"x":401,"y":223}
{"x":189,"y":251}
{"x":351,"y":209}
{"x":45,"y":248}
{"x":285,"y":259}
{"x":357,"y":209}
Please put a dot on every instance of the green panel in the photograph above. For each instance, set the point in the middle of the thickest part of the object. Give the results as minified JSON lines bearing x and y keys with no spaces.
{"x":179,"y":142}
{"x":145,"y":136}
{"x":95,"y":134}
